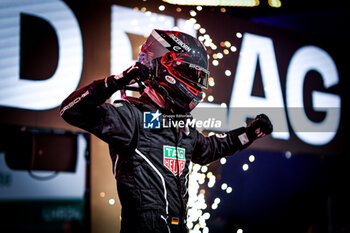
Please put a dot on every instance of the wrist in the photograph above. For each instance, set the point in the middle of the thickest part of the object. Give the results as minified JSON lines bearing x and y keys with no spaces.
{"x":247,"y":136}
{"x":241,"y":137}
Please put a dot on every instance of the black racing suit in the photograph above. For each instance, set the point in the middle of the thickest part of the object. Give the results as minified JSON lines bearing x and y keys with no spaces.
{"x":152,"y":193}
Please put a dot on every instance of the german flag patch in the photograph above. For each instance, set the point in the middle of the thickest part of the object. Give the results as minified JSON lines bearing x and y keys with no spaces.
{"x":175,"y":221}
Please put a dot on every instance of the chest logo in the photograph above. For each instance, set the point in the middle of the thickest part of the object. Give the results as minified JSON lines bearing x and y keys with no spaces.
{"x":169,"y":159}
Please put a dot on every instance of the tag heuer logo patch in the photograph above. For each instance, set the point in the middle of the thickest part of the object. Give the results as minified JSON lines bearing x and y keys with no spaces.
{"x":169,"y":158}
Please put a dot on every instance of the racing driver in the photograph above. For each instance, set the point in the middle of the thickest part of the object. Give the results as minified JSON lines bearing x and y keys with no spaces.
{"x":151,"y":164}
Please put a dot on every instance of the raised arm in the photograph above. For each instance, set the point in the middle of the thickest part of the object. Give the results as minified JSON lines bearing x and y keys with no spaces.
{"x":209,"y":149}
{"x":86,"y":108}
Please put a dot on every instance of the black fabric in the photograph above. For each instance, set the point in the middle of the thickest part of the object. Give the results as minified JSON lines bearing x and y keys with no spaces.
{"x":147,"y":188}
{"x":151,"y":221}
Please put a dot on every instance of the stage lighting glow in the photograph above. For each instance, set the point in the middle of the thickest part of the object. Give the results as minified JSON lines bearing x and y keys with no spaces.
{"x":197,"y":26}
{"x":237,"y":3}
{"x":211,"y":82}
{"x":204,"y":169}
{"x":245,"y":167}
{"x":205,"y":230}
{"x":111,"y":201}
{"x":223,"y":160}
{"x":209,"y":174}
{"x":215,"y":62}
{"x":275,"y":3}
{"x":211,"y":182}
{"x":213,"y":46}
{"x":206,"y":215}
{"x":196,"y":202}
{"x":251,"y":158}
{"x":193,"y":13}
{"x":288,"y":154}
{"x":223,"y":105}
{"x":228,"y":73}
{"x":224,"y":186}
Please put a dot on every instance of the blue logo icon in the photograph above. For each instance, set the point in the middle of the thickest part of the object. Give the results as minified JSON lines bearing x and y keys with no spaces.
{"x":151,"y":120}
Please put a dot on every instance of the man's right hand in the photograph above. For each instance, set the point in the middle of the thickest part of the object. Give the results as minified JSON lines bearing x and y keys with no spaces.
{"x":134,"y":73}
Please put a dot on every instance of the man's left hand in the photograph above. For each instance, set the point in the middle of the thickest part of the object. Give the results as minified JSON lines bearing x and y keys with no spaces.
{"x":259,"y":127}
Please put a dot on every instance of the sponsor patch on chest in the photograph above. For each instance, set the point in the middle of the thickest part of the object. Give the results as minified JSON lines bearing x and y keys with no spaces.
{"x":170,"y":156}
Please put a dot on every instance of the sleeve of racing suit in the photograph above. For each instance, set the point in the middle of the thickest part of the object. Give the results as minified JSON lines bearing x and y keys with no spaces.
{"x":86,"y":108}
{"x":209,"y":149}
